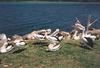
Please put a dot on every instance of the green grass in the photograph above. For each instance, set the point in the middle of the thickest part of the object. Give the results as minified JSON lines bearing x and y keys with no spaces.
{"x":35,"y":56}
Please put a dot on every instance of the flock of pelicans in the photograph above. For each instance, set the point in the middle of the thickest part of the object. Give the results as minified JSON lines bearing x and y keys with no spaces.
{"x":80,"y":32}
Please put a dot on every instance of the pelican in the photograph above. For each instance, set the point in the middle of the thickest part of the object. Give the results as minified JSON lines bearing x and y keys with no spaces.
{"x":28,"y":36}
{"x":5,"y":46}
{"x":18,"y":40}
{"x":95,"y":32}
{"x":53,"y":47}
{"x":38,"y":34}
{"x":53,"y":37}
{"x":77,"y":28}
{"x":76,"y":36}
{"x":88,"y":39}
{"x":66,"y":35}
{"x":54,"y":41}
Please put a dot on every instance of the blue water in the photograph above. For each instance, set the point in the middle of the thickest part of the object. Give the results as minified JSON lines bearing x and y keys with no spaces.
{"x":22,"y":18}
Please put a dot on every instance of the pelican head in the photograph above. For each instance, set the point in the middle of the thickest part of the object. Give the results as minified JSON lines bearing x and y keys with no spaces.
{"x":48,"y":31}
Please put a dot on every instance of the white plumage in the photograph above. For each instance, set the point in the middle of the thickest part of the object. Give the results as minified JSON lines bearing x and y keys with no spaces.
{"x":53,"y":47}
{"x":76,"y":36}
{"x":19,"y":42}
{"x":5,"y":47}
{"x":88,"y":39}
{"x":54,"y":41}
{"x":39,"y":37}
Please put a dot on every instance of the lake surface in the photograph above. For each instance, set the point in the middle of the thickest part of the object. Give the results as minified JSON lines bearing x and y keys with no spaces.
{"x":22,"y":18}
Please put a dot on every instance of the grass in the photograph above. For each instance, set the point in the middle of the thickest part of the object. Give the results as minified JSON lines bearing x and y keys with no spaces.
{"x":33,"y":55}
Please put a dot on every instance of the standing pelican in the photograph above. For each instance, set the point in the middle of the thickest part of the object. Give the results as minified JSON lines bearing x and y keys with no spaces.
{"x":77,"y":28}
{"x":88,"y":39}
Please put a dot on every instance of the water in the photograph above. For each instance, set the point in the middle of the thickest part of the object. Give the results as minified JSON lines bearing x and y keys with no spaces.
{"x":22,"y":18}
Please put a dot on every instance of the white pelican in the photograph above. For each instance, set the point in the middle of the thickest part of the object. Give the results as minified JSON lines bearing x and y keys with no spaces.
{"x":76,"y":36}
{"x":54,"y":41}
{"x":88,"y":39}
{"x":77,"y":28}
{"x":66,"y":35}
{"x":37,"y":34}
{"x":18,"y":40}
{"x":5,"y":46}
{"x":53,"y":37}
{"x":40,"y":36}
{"x":95,"y":32}
{"x":53,"y":47}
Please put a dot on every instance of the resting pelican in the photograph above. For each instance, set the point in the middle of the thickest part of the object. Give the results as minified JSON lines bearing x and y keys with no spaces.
{"x":53,"y":47}
{"x":5,"y":46}
{"x":54,"y":41}
{"x":38,"y":34}
{"x":53,"y":37}
{"x":66,"y":35}
{"x":18,"y":40}
{"x":95,"y":32}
